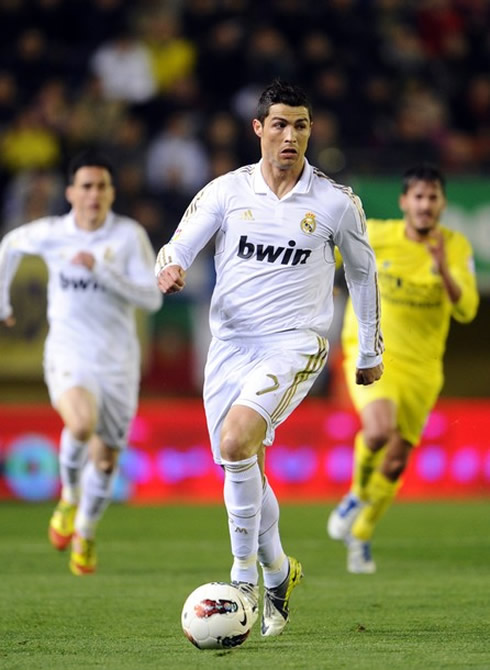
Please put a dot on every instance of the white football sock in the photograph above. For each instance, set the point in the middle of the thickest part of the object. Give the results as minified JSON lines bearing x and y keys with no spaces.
{"x":72,"y":456}
{"x":96,"y":495}
{"x":243,"y":497}
{"x":271,"y":554}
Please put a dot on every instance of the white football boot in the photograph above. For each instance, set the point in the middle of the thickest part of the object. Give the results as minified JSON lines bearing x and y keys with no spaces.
{"x":343,"y":516}
{"x":359,"y":559}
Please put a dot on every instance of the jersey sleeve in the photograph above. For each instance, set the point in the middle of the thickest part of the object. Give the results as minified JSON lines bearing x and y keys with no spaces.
{"x":462,"y":268}
{"x":26,"y":240}
{"x":362,"y":282}
{"x":200,"y":222}
{"x":136,"y":284}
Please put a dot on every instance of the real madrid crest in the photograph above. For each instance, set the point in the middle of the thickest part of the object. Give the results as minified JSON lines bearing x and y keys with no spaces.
{"x":308,"y":224}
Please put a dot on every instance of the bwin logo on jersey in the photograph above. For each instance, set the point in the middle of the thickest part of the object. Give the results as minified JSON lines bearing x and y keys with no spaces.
{"x":80,"y":284}
{"x":284,"y":255}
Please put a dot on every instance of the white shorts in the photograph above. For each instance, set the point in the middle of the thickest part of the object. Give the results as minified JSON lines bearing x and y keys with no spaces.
{"x":270,"y":374}
{"x":116,"y":394}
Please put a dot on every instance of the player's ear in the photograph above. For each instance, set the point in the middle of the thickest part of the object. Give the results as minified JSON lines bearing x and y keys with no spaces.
{"x":69,"y":194}
{"x":402,"y":202}
{"x":257,"y":126}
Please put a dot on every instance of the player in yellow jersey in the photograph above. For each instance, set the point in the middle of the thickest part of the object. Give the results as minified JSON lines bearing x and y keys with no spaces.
{"x":426,"y":276}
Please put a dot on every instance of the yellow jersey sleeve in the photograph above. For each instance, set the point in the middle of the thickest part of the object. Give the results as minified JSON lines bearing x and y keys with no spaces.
{"x":462,"y":268}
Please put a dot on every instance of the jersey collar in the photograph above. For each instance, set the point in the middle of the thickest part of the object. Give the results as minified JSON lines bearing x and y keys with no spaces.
{"x":72,"y":226}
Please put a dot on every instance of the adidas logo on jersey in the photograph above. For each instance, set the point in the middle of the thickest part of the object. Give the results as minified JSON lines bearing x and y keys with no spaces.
{"x":284,"y":255}
{"x":247,"y":215}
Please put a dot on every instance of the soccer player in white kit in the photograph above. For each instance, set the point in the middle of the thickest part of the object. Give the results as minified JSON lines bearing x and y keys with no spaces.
{"x":276,"y":224}
{"x":100,"y":269}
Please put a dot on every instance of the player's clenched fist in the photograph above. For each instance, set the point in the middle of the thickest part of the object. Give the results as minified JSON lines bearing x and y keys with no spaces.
{"x":171,"y":279}
{"x":366,"y":376}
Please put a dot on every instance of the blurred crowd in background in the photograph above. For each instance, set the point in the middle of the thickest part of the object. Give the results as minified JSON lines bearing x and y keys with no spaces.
{"x":168,"y":88}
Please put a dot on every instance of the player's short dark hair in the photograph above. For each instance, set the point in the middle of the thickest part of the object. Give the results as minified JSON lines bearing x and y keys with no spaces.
{"x":422,"y":172}
{"x":282,"y":92}
{"x":89,"y":158}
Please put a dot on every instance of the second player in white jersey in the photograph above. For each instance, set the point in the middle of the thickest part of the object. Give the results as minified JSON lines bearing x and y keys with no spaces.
{"x":100,"y":269}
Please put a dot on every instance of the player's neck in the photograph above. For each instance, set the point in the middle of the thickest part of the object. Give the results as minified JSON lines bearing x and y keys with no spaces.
{"x":280,"y":181}
{"x":415,"y":235}
{"x":88,"y":225}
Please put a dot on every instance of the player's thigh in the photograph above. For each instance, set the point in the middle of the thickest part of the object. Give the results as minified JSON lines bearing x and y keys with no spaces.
{"x":271,"y":378}
{"x":379,"y":420}
{"x":420,"y":394}
{"x":77,"y":407}
{"x":282,"y":378}
{"x":118,"y":406}
{"x":243,"y":433}
{"x":74,"y":391}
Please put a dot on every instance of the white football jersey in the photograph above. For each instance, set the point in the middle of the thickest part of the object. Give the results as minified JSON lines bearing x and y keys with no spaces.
{"x":90,"y":312}
{"x":274,"y":257}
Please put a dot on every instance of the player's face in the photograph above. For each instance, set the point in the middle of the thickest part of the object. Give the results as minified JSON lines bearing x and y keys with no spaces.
{"x":422,"y":206}
{"x":91,"y":195}
{"x":284,"y":136}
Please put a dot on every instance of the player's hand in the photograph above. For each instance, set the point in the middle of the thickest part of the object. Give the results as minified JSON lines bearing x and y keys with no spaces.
{"x":171,"y":279}
{"x":9,"y":321}
{"x":435,"y":246}
{"x":366,"y":376}
{"x":84,"y":258}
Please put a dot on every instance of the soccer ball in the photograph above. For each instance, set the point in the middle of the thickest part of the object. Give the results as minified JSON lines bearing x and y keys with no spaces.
{"x":216,"y":616}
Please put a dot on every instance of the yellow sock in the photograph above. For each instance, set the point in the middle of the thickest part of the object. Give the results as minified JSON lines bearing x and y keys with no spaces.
{"x":380,"y":493}
{"x":365,"y":462}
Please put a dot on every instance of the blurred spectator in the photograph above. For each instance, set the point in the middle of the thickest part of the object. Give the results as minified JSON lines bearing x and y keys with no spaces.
{"x":221,"y":61}
{"x":223,"y":161}
{"x":30,"y":195}
{"x":172,"y":55}
{"x":32,"y":60}
{"x":53,"y":105}
{"x":127,"y":142}
{"x":93,"y":118}
{"x":8,"y":99}
{"x":223,"y":133}
{"x":176,"y":158}
{"x":331,"y":92}
{"x":29,"y":143}
{"x":268,"y":55}
{"x":324,"y":148}
{"x":316,"y":54}
{"x":151,"y":214}
{"x":124,"y":67}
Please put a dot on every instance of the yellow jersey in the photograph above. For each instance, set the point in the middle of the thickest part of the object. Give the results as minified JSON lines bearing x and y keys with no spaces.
{"x":415,"y":308}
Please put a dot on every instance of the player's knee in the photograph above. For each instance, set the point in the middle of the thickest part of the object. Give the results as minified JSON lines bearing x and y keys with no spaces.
{"x":105,"y":459}
{"x":81,"y":430}
{"x":233,"y":448}
{"x":376,"y":439}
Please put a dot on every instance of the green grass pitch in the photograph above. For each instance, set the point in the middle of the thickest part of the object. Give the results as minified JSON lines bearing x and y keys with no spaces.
{"x":427,"y":608}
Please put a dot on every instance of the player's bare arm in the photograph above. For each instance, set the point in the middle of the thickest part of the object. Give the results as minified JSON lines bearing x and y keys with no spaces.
{"x":171,"y":279}
{"x":436,"y":247}
{"x":366,"y":376}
